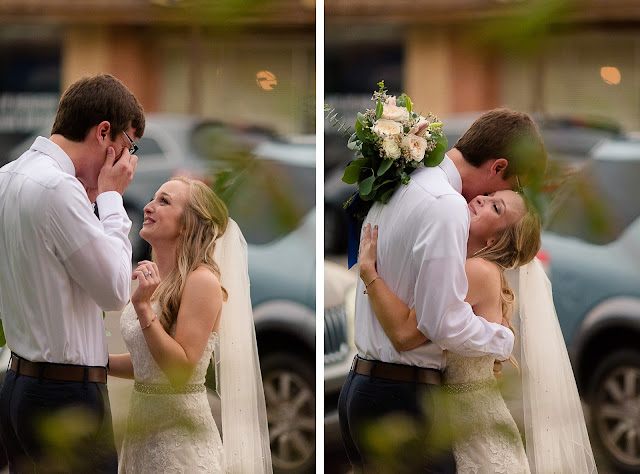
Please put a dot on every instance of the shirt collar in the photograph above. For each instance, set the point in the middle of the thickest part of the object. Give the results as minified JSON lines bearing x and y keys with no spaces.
{"x":46,"y":146}
{"x":453,"y":175}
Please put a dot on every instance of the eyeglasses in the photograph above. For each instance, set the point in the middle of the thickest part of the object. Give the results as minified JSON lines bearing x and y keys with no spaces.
{"x":519,"y":188}
{"x":133,"y":148}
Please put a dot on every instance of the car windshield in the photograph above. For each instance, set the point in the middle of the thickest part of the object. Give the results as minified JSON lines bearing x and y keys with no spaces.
{"x":599,"y":202}
{"x":269,"y":198}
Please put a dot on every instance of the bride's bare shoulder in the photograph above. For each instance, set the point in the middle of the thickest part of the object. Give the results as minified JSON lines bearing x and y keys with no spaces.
{"x":484,"y":281}
{"x":478,"y":267}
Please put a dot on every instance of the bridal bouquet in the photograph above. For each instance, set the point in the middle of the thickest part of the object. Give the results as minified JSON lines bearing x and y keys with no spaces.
{"x":390,"y":141}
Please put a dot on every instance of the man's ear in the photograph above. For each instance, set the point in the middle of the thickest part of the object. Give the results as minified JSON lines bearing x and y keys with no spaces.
{"x":102,"y":131}
{"x":499,"y":166}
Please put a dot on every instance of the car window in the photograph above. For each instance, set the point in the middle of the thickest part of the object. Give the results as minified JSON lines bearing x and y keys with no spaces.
{"x":147,"y":147}
{"x":268,"y":198}
{"x":598,"y":203}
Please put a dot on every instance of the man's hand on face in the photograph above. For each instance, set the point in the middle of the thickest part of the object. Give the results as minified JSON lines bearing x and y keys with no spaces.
{"x":116,"y":175}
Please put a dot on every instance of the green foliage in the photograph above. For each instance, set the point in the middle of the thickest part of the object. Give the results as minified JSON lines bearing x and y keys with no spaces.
{"x":525,"y":27}
{"x":332,"y":116}
{"x":405,"y":101}
{"x":437,"y":155}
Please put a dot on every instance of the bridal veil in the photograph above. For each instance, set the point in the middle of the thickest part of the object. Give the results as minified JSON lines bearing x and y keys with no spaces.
{"x":555,"y":430}
{"x":245,"y":435}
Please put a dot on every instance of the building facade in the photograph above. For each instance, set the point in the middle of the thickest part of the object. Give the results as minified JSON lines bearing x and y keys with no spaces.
{"x":242,"y":61}
{"x":554,"y":57}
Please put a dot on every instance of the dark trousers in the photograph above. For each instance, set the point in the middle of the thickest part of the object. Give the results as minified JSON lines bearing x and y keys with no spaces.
{"x":373,"y":441}
{"x":49,"y":426}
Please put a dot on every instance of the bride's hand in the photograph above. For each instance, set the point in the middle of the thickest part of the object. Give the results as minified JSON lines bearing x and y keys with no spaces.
{"x":148,"y":280}
{"x":367,"y":260}
{"x":497,"y":369}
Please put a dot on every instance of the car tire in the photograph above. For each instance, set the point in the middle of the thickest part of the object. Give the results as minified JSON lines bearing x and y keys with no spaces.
{"x":289,"y":386}
{"x":613,"y":394}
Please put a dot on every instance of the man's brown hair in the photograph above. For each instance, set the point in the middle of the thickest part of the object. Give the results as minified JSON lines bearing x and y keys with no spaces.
{"x":508,"y":134}
{"x":94,"y":99}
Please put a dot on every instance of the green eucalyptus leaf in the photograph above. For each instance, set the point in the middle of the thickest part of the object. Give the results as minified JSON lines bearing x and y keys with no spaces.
{"x":387,"y":195}
{"x":435,"y":156}
{"x":366,"y":185}
{"x":360,"y":132}
{"x":368,"y":149}
{"x":354,"y":143}
{"x":384,"y":166}
{"x":379,"y":109}
{"x":352,"y":173}
{"x":377,"y":186}
{"x":404,"y":177}
{"x":363,"y":120}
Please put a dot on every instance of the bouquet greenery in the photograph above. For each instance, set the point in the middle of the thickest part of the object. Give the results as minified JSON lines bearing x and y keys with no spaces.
{"x":390,"y":141}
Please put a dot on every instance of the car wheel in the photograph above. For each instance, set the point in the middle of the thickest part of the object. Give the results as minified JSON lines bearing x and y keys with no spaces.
{"x":289,"y":384}
{"x":614,"y":396}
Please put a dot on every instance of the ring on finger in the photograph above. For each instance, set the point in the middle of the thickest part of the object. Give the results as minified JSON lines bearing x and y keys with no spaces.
{"x":146,"y":274}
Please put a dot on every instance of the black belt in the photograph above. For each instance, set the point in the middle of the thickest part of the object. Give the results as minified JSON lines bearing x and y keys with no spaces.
{"x":59,"y":372}
{"x":397,"y":372}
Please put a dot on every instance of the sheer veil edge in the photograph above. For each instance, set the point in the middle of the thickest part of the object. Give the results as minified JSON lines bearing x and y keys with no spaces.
{"x":555,"y":430}
{"x":245,"y":432}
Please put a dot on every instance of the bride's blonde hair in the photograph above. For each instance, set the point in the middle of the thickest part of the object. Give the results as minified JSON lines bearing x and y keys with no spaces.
{"x":515,"y":246}
{"x":204,"y":220}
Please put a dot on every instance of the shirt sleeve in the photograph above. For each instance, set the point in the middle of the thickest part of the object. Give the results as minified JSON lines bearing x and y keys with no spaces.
{"x":441,"y":287}
{"x":96,"y":253}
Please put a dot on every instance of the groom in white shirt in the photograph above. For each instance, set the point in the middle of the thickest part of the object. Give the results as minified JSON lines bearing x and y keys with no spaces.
{"x":421,"y":256}
{"x":60,"y":267}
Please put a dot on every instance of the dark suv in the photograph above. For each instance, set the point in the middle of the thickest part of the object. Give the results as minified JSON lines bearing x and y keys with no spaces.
{"x":591,"y":248}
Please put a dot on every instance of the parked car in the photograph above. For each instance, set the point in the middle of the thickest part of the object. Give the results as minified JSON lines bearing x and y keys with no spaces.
{"x":283,"y":290}
{"x":591,"y":249}
{"x":339,"y":346}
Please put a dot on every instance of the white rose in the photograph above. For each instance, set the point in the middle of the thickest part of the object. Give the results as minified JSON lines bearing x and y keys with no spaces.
{"x":394,"y":112}
{"x":386,"y":128}
{"x":391,"y":148}
{"x":391,"y":100}
{"x":415,"y":145}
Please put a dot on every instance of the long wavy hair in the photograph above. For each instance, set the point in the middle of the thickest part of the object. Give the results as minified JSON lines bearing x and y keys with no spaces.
{"x":515,"y":246}
{"x":204,"y":220}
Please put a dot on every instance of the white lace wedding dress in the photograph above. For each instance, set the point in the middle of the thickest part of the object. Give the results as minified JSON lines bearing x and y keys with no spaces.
{"x":489,"y":441}
{"x":167,"y":432}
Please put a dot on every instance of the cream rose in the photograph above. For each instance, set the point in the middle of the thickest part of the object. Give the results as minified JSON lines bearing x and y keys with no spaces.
{"x":415,"y":145}
{"x":391,"y":148}
{"x":394,"y":112}
{"x":386,"y":128}
{"x":391,"y":100}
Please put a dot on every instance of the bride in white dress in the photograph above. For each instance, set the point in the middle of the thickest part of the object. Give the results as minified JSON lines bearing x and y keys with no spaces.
{"x":504,"y":233}
{"x":191,"y":301}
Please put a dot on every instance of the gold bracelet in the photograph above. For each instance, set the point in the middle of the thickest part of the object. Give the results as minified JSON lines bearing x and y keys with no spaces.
{"x":369,"y":284}
{"x":155,"y":316}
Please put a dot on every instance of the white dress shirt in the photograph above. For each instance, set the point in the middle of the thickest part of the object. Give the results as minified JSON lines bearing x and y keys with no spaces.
{"x":422,"y":247}
{"x":59,"y":265}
